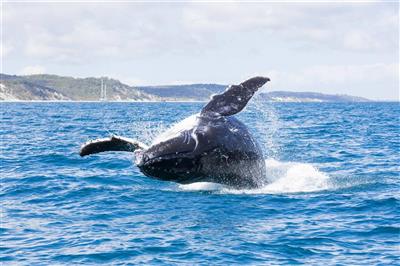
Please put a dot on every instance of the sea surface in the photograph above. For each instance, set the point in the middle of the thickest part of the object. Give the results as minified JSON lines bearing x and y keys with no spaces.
{"x":333,"y":196}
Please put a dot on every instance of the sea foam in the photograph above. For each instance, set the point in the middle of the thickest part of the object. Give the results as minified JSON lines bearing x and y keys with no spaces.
{"x":282,"y":177}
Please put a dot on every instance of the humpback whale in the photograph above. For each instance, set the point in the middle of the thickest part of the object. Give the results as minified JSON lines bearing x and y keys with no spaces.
{"x":211,"y":146}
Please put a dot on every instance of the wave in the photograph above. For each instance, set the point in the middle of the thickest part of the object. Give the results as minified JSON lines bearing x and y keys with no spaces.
{"x":282,"y":177}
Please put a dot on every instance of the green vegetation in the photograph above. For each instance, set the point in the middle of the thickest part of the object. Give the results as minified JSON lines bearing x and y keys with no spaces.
{"x":52,"y":87}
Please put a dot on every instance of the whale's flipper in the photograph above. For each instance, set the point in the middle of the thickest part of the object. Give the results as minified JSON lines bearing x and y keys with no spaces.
{"x":234,"y":98}
{"x":114,"y":143}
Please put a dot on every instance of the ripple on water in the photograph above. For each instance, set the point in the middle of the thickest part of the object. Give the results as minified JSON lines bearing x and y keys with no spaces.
{"x":332,"y":195}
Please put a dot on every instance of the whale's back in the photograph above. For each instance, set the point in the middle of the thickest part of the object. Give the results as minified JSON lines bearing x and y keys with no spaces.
{"x":207,"y":149}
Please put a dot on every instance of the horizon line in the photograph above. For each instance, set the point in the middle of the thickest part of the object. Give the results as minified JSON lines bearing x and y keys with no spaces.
{"x":196,"y":83}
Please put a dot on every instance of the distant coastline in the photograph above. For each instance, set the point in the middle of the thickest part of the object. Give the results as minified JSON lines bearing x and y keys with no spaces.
{"x":53,"y":88}
{"x":94,"y":101}
{"x":105,"y":102}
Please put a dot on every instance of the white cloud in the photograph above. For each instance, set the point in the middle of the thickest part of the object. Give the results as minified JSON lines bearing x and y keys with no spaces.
{"x":31,"y":70}
{"x":82,"y":31}
{"x":311,"y":46}
{"x":356,"y":26}
{"x":5,"y":49}
{"x":347,"y":79}
{"x":327,"y":74}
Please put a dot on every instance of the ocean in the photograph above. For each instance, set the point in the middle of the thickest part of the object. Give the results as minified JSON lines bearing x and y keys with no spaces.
{"x":332,"y":197}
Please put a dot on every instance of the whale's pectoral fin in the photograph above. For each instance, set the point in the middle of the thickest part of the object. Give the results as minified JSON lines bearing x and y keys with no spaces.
{"x":234,"y":98}
{"x":114,"y":143}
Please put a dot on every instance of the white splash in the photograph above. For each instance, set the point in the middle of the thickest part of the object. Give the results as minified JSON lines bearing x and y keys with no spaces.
{"x":176,"y":129}
{"x":291,"y":177}
{"x":202,"y":186}
{"x":149,"y":130}
{"x":283,"y":177}
{"x":267,"y":126}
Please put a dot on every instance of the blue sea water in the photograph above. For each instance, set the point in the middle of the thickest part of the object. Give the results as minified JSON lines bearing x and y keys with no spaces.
{"x":333,"y":196}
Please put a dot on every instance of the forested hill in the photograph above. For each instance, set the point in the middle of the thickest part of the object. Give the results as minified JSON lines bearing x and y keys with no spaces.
{"x":53,"y":87}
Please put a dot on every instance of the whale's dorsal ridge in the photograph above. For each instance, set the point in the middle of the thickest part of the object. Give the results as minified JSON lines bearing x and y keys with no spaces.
{"x":234,"y":98}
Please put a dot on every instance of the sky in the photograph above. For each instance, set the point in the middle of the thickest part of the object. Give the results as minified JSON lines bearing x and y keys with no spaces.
{"x":329,"y":47}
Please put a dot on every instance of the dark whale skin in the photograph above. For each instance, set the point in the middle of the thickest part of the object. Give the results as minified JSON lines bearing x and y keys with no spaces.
{"x":212,"y":146}
{"x":216,"y":149}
